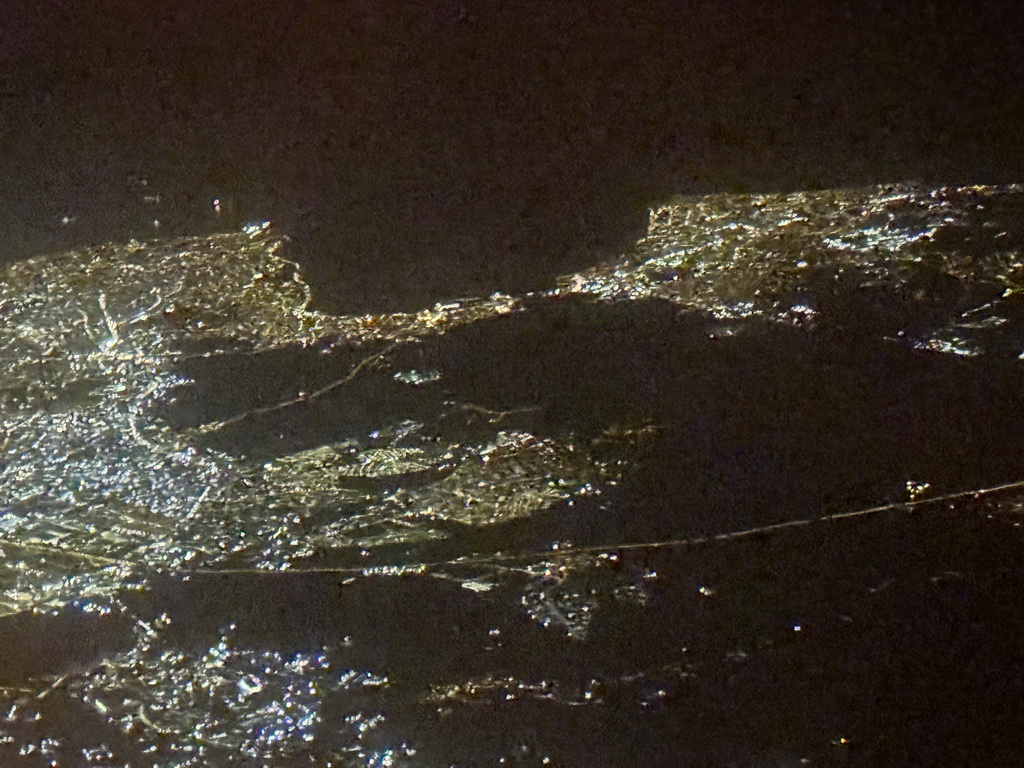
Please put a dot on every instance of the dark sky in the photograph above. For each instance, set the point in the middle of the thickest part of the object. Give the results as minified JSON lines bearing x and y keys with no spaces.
{"x":420,"y":150}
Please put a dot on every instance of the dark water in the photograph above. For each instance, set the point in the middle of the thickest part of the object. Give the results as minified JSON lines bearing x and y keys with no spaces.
{"x":245,"y":584}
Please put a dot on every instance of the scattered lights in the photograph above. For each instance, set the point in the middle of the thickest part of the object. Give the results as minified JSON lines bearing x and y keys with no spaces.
{"x":101,"y":755}
{"x":952,"y":346}
{"x":800,"y":314}
{"x":88,"y":606}
{"x":915,"y":490}
{"x":273,"y":698}
{"x":256,"y":227}
{"x":386,"y":758}
{"x":478,"y":586}
{"x":417,"y":378}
